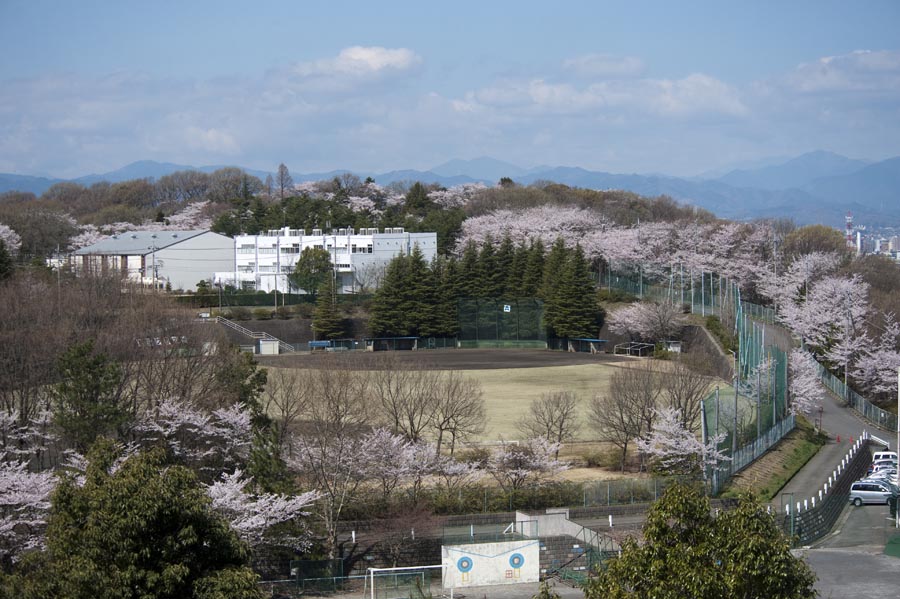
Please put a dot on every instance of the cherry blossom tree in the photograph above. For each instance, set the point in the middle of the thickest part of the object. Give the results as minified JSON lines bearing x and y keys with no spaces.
{"x":389,"y":460}
{"x":651,"y":321}
{"x":877,"y":365}
{"x":673,"y":449}
{"x":806,"y":388}
{"x":24,"y":507}
{"x":209,"y":442}
{"x":10,"y":238}
{"x":255,"y":517}
{"x":517,"y":465}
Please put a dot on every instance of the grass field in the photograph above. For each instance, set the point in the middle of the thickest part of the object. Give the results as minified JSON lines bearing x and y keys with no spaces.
{"x":509,"y":392}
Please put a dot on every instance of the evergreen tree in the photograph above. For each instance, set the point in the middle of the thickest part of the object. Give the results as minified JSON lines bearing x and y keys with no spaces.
{"x":534,"y":270}
{"x":515,"y":282}
{"x":417,"y":202}
{"x":327,"y":321}
{"x":469,"y":275}
{"x":551,"y":291}
{"x":87,"y":402}
{"x":387,"y":309}
{"x":420,"y":296}
{"x":575,"y":300}
{"x":506,"y":254}
{"x":145,"y":529}
{"x":444,"y":271}
{"x":686,"y":552}
{"x":6,"y":262}
{"x":491,"y":279}
{"x":312,"y":269}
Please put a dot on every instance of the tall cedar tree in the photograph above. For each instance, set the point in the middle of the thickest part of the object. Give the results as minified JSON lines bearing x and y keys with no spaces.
{"x":387,"y":311}
{"x":551,"y":286}
{"x":504,"y":263}
{"x":491,"y":284}
{"x":515,"y":280}
{"x":419,"y":300}
{"x":327,"y":321}
{"x":575,"y":299}
{"x":469,"y":271}
{"x":446,"y":307}
{"x":534,"y":270}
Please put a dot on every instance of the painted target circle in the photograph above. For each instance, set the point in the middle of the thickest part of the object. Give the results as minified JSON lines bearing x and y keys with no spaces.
{"x":464,"y":564}
{"x":516,"y":560}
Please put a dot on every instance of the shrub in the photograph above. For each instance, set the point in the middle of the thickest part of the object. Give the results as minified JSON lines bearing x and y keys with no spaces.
{"x":283,"y":313}
{"x":239,"y":313}
{"x":262,"y":313}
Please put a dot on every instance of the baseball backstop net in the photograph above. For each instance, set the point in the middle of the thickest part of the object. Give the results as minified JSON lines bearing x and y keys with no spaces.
{"x":497,"y":322}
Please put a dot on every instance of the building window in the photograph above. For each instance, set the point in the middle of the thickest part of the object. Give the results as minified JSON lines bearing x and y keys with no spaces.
{"x":266,"y":250}
{"x":246,"y":250}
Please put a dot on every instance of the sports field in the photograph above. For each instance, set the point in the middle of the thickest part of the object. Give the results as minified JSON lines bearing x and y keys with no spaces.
{"x":510,"y":379}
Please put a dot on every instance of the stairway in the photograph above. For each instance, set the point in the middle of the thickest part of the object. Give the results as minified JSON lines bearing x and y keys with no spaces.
{"x":282,"y":346}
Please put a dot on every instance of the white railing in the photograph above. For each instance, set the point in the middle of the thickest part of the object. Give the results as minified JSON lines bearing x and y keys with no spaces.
{"x":282,"y":346}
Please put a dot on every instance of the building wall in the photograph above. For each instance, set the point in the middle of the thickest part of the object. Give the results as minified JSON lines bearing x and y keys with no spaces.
{"x":484,"y":564}
{"x":188,"y":262}
{"x":359,"y":258}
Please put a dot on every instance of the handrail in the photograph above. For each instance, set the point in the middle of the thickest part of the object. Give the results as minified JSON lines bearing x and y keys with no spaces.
{"x":284,"y":347}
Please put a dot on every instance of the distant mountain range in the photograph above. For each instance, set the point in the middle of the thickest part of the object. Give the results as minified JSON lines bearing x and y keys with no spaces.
{"x":818,"y":187}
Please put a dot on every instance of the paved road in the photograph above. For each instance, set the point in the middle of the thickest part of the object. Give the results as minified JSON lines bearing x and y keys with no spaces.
{"x":842,"y":424}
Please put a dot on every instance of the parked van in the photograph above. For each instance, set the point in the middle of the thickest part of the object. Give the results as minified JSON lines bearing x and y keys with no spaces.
{"x":869,"y":491}
{"x":884,"y":455}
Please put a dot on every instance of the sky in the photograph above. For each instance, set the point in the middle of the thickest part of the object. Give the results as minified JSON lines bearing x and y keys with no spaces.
{"x":679,"y":88}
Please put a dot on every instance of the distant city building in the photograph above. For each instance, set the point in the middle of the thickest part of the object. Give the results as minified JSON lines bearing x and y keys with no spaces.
{"x":180,"y":259}
{"x":262,"y":262}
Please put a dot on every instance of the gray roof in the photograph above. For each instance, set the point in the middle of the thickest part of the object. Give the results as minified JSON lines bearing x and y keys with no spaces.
{"x":138,"y":243}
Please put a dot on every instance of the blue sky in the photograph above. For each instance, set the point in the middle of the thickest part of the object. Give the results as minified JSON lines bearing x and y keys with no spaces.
{"x":670,"y":87}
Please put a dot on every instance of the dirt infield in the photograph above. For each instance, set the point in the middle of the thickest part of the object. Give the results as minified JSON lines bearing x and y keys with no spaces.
{"x":446,"y":359}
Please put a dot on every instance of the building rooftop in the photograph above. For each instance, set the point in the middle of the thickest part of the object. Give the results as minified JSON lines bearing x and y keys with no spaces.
{"x":138,"y":243}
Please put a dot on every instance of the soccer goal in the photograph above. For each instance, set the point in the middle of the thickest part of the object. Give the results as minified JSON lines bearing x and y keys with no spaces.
{"x":404,"y":582}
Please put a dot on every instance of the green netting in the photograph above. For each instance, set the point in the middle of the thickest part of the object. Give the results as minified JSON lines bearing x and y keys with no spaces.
{"x":414,"y":584}
{"x":508,"y":320}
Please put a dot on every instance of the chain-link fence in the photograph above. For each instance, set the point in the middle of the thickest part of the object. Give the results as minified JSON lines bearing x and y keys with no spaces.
{"x":493,"y":322}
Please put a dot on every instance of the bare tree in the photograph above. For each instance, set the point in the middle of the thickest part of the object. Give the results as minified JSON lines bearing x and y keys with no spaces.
{"x":627,"y":410}
{"x":285,"y":399}
{"x":283,"y":181}
{"x":459,"y":409}
{"x":683,"y":389}
{"x":329,"y":451}
{"x":406,"y":397}
{"x":554,"y":417}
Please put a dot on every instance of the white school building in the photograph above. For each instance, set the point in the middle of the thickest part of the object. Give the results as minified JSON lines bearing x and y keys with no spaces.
{"x":262,"y":262}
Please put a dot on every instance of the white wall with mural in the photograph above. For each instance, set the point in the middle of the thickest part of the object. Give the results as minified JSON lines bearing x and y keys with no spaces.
{"x":483,"y":564}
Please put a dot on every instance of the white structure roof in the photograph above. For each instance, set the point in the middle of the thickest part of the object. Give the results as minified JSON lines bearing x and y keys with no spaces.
{"x":137,"y":243}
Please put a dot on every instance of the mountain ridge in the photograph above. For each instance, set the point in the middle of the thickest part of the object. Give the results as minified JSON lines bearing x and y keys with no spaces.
{"x":871,"y":190}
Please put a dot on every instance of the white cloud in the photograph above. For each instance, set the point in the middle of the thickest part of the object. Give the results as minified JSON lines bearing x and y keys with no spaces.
{"x":693,"y":96}
{"x":605,"y":66}
{"x":361,"y":61}
{"x":859,"y":71}
{"x":211,"y":140}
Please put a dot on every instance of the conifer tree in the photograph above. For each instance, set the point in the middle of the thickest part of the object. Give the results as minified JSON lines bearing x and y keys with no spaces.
{"x":516,"y":280}
{"x":575,"y":300}
{"x":327,"y":321}
{"x":469,"y":273}
{"x":534,"y":270}
{"x":419,"y":296}
{"x":505,"y":256}
{"x":491,"y":278}
{"x":445,"y":273}
{"x":387,"y":310}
